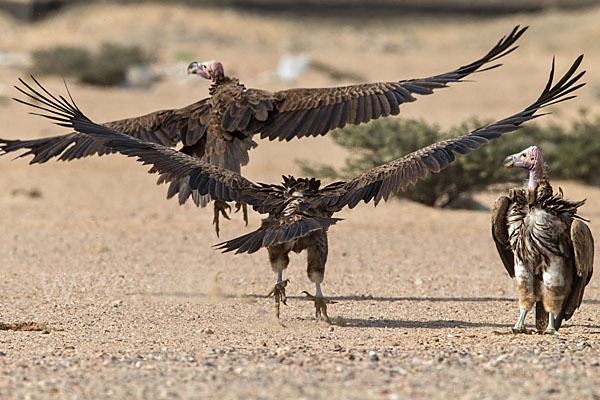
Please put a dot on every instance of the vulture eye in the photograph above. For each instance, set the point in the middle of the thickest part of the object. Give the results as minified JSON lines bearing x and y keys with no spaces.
{"x":523,"y":155}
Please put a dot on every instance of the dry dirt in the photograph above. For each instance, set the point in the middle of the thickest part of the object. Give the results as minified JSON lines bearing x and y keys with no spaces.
{"x":139,"y":305}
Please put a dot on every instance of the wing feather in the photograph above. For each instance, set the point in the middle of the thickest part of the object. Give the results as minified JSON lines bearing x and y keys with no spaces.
{"x":500,"y":234}
{"x":438,"y":156}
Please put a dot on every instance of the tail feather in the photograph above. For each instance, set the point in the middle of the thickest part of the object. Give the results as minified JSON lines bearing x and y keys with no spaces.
{"x":267,"y":236}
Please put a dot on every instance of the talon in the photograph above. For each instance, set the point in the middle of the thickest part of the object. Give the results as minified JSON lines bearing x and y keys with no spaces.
{"x":320,"y":306}
{"x":551,"y":331}
{"x":278,"y":292}
{"x":220,"y":207}
{"x":244,"y":208}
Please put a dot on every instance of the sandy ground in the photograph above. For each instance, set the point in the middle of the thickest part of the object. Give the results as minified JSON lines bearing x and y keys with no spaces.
{"x":139,"y":305}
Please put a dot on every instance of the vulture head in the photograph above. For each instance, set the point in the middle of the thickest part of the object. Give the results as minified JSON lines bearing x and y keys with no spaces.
{"x":212,"y":70}
{"x":531,"y":159}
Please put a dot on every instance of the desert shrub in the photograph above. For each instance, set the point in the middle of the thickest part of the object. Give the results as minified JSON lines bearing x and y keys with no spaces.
{"x":107,"y":66}
{"x":61,"y":60}
{"x":572,"y":153}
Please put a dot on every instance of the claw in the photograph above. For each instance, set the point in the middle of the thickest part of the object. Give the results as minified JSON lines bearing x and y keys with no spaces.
{"x":278,"y":292}
{"x":320,"y":306}
{"x":220,"y":207}
{"x":244,"y":208}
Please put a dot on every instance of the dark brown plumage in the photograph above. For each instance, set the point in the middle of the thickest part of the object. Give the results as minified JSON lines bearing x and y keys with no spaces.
{"x":544,"y":244}
{"x":220,"y":129}
{"x":300,"y":211}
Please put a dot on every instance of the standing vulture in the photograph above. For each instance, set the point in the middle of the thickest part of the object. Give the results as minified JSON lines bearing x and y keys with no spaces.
{"x":299,"y":211}
{"x":544,"y":243}
{"x":220,"y":129}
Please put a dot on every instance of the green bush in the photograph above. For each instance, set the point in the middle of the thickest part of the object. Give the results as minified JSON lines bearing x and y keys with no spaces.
{"x":571,"y":153}
{"x":108,"y":66}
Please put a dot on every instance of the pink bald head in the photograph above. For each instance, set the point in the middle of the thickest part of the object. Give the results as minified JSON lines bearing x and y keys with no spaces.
{"x":212,"y":70}
{"x":530,"y":158}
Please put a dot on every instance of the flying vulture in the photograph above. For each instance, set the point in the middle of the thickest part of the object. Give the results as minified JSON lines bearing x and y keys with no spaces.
{"x":220,"y":129}
{"x":299,"y":210}
{"x":544,"y":244}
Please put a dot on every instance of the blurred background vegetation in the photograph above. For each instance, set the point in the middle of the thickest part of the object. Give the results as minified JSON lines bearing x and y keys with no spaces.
{"x":106,"y":66}
{"x":571,"y":151}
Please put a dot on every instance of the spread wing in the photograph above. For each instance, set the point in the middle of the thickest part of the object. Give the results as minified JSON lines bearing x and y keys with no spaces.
{"x":173,"y":165}
{"x":380,"y":182}
{"x":313,"y":112}
{"x":168,"y":127}
{"x":500,"y":234}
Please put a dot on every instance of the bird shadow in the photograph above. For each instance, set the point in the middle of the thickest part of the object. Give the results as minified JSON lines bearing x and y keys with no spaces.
{"x":408,"y":324}
{"x":349,"y":298}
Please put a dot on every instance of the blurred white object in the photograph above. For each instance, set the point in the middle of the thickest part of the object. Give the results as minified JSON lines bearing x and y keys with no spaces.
{"x":291,"y":67}
{"x":15,"y":60}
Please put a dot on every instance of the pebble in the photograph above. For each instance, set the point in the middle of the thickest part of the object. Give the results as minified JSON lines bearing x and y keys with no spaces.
{"x":2,"y":354}
{"x":373,"y":356}
{"x":45,"y":332}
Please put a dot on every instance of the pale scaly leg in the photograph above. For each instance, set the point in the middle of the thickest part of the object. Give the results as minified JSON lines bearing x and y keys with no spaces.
{"x":320,"y":303}
{"x":520,"y":325}
{"x":551,"y":330}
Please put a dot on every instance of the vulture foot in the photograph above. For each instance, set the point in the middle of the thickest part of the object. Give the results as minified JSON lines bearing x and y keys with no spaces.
{"x":278,"y":292}
{"x":222,"y":208}
{"x":551,"y":329}
{"x":244,"y":208}
{"x":320,"y":306}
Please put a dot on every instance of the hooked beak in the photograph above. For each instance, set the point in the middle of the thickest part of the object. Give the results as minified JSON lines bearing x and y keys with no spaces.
{"x":193,"y":68}
{"x":509,"y":161}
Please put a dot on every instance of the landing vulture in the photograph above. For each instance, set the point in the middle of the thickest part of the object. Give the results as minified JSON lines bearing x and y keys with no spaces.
{"x":220,"y":129}
{"x":544,"y":244}
{"x":299,"y":211}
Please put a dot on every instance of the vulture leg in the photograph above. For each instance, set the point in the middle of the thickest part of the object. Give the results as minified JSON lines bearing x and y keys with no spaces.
{"x":278,"y":256}
{"x":527,"y":296}
{"x":551,"y":330}
{"x":220,"y":207}
{"x":244,"y":208}
{"x":520,"y":325}
{"x":320,"y":303}
{"x":541,"y":317}
{"x":317,"y":256}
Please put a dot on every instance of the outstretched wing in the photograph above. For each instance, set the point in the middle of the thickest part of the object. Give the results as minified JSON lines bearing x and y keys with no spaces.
{"x":168,"y":127}
{"x":500,"y":234}
{"x":313,"y":112}
{"x":173,"y":165}
{"x":380,"y":182}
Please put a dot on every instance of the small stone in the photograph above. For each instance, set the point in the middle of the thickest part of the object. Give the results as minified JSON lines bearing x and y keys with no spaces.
{"x":117,"y":303}
{"x":45,"y":332}
{"x":331,"y":329}
{"x":2,"y":354}
{"x":209,"y":331}
{"x":373,"y":356}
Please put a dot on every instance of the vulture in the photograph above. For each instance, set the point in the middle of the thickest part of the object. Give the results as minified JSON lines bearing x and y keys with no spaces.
{"x":299,"y":211}
{"x":220,"y":129}
{"x":544,"y":244}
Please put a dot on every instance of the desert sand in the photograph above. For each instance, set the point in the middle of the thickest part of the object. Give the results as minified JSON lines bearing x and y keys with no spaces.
{"x":137,"y":304}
